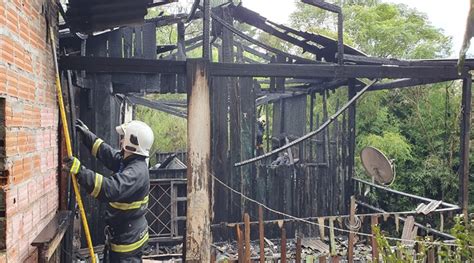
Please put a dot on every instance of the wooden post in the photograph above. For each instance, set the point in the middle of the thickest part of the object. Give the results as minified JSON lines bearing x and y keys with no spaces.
{"x":332,"y":238}
{"x":261,"y":234}
{"x":213,"y":255}
{"x":283,"y":245}
{"x":198,"y":230}
{"x":374,"y":220}
{"x":351,"y":127}
{"x":431,"y":252}
{"x":240,"y":244}
{"x":206,"y":30}
{"x":321,"y":224}
{"x":298,"y":249}
{"x":464,"y":151}
{"x":350,"y":253}
{"x":322,"y":259}
{"x":247,"y":237}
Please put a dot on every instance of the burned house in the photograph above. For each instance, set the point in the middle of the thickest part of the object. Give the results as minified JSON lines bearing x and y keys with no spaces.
{"x":109,"y":59}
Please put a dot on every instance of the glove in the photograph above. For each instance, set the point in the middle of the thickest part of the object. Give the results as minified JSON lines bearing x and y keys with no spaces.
{"x":71,"y":165}
{"x":80,"y":126}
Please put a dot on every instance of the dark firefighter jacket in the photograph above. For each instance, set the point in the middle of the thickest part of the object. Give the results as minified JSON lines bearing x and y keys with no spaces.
{"x":125,"y":192}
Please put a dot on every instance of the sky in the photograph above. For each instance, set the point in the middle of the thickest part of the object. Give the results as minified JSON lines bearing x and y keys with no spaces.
{"x":451,"y":16}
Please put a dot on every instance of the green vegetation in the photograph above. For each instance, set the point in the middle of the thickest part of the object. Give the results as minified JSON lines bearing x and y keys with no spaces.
{"x":462,"y":251}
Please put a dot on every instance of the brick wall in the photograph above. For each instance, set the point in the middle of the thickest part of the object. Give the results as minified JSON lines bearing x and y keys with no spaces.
{"x":30,"y":152}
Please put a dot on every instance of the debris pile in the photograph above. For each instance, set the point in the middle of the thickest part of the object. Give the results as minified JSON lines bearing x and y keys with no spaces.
{"x":312,"y":249}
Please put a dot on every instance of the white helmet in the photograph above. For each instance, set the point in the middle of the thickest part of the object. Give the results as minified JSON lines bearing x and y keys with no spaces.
{"x":138,"y":137}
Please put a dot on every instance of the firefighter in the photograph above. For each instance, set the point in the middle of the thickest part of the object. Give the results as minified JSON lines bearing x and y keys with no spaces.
{"x":261,"y":122}
{"x":125,"y":191}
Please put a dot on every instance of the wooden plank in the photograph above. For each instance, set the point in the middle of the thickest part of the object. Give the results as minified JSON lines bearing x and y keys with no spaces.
{"x":247,"y":135}
{"x":149,"y":41}
{"x":247,"y":237}
{"x":321,"y":228}
{"x":283,"y":245}
{"x":374,"y":221}
{"x":206,"y":29}
{"x":235,"y":142}
{"x":298,"y":249}
{"x":431,"y":252}
{"x":181,"y":55}
{"x":332,"y":238}
{"x":127,"y":35}
{"x":198,"y":233}
{"x":220,"y":145}
{"x":261,"y":234}
{"x":240,"y":244}
{"x":351,"y":127}
{"x":138,"y":44}
{"x":350,"y":253}
{"x":464,"y":152}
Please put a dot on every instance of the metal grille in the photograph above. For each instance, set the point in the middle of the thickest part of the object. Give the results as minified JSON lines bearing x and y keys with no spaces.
{"x":163,"y":213}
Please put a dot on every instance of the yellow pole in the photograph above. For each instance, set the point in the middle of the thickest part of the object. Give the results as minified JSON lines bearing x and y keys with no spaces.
{"x":69,"y":151}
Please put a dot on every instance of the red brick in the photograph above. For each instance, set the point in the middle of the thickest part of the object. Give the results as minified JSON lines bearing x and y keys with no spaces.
{"x":11,"y":202}
{"x":17,"y":171}
{"x":3,"y":78}
{"x":11,"y":19}
{"x":22,"y":196}
{"x":2,"y":14}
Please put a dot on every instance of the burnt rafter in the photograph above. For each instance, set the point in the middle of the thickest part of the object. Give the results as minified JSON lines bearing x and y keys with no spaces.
{"x":258,"y":43}
{"x":325,"y":46}
{"x":252,"y":18}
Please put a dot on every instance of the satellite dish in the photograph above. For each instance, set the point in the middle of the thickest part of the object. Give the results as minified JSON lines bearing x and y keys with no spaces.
{"x":377,"y":165}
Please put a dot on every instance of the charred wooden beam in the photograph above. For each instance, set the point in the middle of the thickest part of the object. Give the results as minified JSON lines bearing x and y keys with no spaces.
{"x":157,"y":106}
{"x":397,"y":62}
{"x":403,"y":83}
{"x":324,"y":5}
{"x":167,"y":20}
{"x":150,"y":66}
{"x":374,"y":60}
{"x":122,"y":65}
{"x":334,"y":71}
{"x":165,"y":48}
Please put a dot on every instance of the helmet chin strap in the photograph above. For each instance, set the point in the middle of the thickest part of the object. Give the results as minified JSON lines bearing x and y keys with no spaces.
{"x":126,"y":154}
